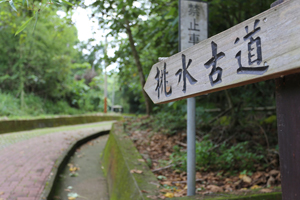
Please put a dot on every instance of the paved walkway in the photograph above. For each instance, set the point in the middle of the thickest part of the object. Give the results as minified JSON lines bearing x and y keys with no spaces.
{"x":27,"y":158}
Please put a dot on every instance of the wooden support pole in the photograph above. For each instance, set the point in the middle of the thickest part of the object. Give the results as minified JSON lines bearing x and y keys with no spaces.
{"x":288,"y":125}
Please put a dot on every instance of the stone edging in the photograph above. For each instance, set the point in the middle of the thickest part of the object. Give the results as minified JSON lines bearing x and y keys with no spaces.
{"x":7,"y":126}
{"x":118,"y":159}
{"x":62,"y":161}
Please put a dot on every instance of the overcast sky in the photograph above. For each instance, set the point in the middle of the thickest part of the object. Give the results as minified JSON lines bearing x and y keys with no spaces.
{"x":88,"y":29}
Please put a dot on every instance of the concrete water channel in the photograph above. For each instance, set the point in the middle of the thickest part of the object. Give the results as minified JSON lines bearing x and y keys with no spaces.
{"x":83,"y":177}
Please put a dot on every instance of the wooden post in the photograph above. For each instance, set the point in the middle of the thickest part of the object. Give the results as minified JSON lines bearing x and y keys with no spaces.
{"x":288,"y":125}
{"x":288,"y":118}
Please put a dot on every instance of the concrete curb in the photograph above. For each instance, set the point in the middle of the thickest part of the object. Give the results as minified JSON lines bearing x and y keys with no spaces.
{"x":62,"y":161}
{"x":119,"y":158}
{"x":7,"y":126}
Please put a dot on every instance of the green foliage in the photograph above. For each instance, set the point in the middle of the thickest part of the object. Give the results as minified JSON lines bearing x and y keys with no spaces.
{"x":270,"y":120}
{"x":33,"y":106}
{"x":210,"y":156}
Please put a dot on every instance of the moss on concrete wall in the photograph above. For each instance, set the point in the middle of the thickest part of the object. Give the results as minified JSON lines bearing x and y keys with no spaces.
{"x":119,"y":157}
{"x":7,"y":126}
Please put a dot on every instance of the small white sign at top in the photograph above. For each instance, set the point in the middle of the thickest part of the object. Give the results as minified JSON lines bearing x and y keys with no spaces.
{"x":193,"y":22}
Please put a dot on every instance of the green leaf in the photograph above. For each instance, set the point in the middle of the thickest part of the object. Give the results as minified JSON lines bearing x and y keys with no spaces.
{"x":12,"y":5}
{"x":67,"y":3}
{"x":36,"y":18}
{"x":55,"y":1}
{"x":2,"y":1}
{"x":23,"y":26}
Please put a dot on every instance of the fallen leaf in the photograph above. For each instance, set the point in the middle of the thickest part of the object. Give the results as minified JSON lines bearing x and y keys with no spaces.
{"x":166,"y":183}
{"x":266,"y":190}
{"x":245,"y":178}
{"x":255,"y":187}
{"x":160,"y":177}
{"x":141,"y":160}
{"x":271,"y":181}
{"x":274,"y":172}
{"x":1,"y":193}
{"x":73,"y":169}
{"x":73,"y":174}
{"x":144,"y":191}
{"x":165,"y":190}
{"x":136,"y":171}
{"x":72,"y":196}
{"x":214,"y":188}
{"x":169,"y":195}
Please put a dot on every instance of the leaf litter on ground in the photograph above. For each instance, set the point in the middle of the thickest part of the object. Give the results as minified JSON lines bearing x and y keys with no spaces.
{"x":157,"y":147}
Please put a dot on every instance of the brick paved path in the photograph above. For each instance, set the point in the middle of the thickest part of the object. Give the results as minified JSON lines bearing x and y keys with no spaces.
{"x":27,"y":158}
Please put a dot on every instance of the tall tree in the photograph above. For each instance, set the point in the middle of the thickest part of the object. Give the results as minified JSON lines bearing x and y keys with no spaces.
{"x":121,"y":16}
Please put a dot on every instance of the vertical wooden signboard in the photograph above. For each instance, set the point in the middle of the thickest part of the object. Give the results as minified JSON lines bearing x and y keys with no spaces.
{"x":193,"y":23}
{"x":193,"y":26}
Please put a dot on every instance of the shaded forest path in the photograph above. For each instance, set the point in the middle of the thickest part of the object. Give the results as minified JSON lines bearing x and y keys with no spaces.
{"x":27,"y":158}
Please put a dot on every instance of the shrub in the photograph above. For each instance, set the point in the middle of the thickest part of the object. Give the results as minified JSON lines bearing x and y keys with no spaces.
{"x":210,"y":156}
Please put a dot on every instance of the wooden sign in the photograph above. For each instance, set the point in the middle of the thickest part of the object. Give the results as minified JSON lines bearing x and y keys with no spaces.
{"x":263,"y":47}
{"x":192,"y":22}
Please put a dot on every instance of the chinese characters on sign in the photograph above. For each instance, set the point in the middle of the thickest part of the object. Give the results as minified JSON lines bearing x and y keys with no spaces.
{"x":213,"y":62}
{"x":193,"y":23}
{"x":185,"y":74}
{"x":162,"y":82}
{"x":254,"y":55}
{"x":252,"y":45}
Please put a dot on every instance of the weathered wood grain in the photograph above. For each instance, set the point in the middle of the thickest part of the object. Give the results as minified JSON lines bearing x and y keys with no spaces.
{"x":280,"y":43}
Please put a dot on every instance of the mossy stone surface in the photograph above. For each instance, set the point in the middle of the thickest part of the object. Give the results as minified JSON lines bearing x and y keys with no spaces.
{"x":119,"y":158}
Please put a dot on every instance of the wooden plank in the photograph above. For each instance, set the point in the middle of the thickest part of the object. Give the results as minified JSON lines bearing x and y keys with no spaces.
{"x":277,"y":33}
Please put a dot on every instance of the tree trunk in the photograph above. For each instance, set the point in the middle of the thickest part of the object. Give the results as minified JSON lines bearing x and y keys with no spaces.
{"x":139,"y":67}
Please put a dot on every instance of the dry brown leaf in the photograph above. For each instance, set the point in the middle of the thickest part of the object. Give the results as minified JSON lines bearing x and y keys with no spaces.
{"x":274,"y":172}
{"x":165,"y":190}
{"x":136,"y":171}
{"x":266,"y":190}
{"x":144,"y":191}
{"x":257,"y":175}
{"x":271,"y":181}
{"x":245,"y":178}
{"x":141,"y":160}
{"x":166,"y":183}
{"x":214,"y":188}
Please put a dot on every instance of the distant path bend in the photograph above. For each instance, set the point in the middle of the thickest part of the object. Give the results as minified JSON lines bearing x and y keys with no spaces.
{"x":27,"y":158}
